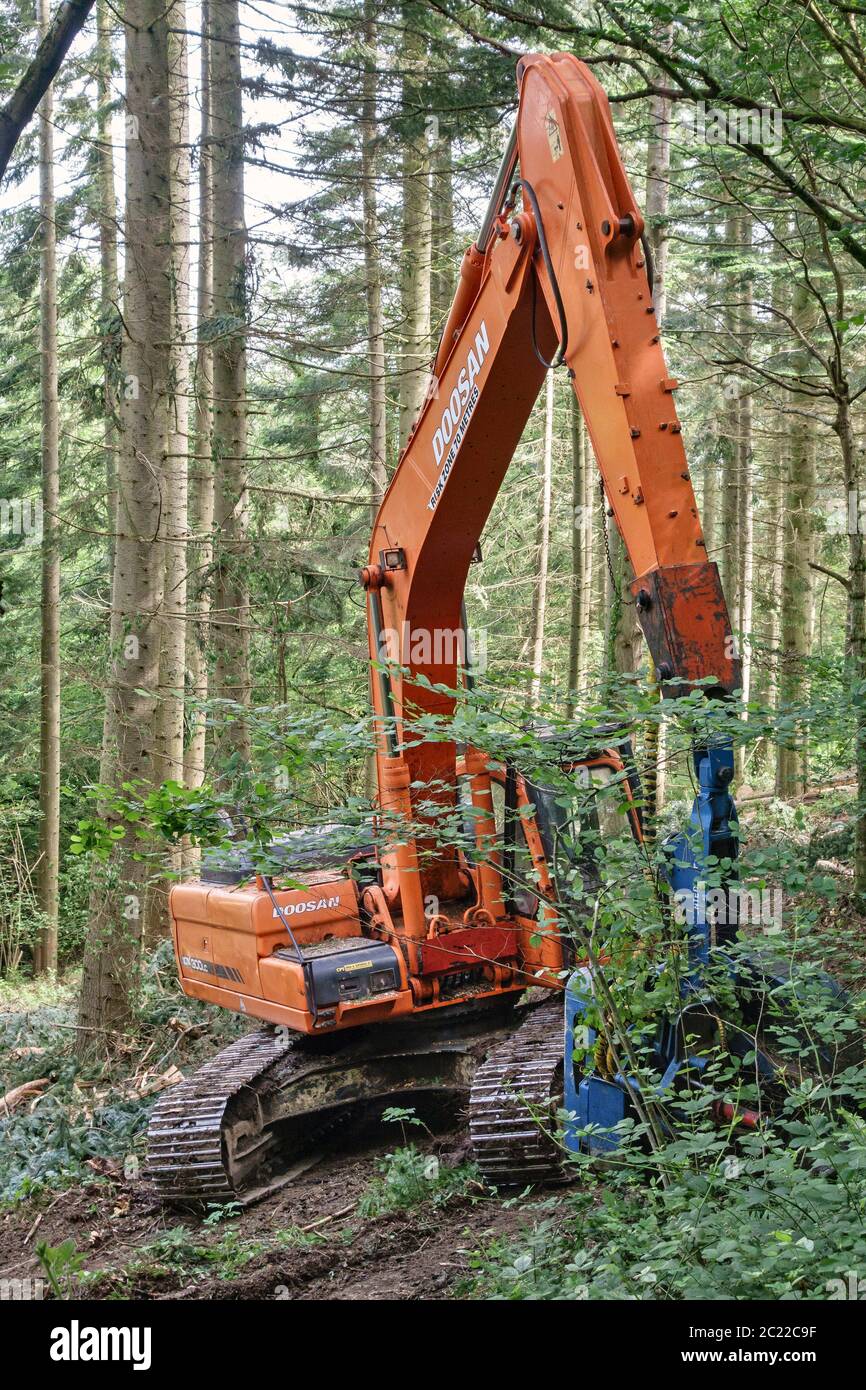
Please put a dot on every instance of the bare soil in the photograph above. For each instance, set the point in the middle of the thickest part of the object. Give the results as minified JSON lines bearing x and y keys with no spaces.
{"x":305,"y":1242}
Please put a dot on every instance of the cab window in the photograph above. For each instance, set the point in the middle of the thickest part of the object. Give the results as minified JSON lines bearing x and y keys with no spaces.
{"x":517,"y":887}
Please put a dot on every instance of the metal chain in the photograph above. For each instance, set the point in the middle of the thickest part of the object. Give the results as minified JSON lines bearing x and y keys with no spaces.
{"x":605,"y":538}
{"x":625,"y":602}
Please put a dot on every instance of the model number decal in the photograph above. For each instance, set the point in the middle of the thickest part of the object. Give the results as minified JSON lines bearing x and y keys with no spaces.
{"x":208,"y":967}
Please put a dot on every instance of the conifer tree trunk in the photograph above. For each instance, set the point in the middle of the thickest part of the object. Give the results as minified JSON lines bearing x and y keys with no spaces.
{"x":108,"y":282}
{"x":231,"y":613}
{"x":744,"y":469}
{"x":729,"y":548}
{"x":169,"y":728}
{"x":443,"y":259}
{"x":590,"y":525}
{"x":542,"y":551}
{"x":657,"y":203}
{"x":743,"y":455}
{"x":658,"y":190}
{"x":791,"y":775}
{"x":373,"y":265}
{"x":112,"y":951}
{"x":416,"y":239}
{"x":109,"y":304}
{"x":176,"y":525}
{"x":201,"y":490}
{"x":623,"y":629}
{"x":852,"y":462}
{"x":580,"y":597}
{"x":771,"y":547}
{"x":710,"y":506}
{"x":45,"y":958}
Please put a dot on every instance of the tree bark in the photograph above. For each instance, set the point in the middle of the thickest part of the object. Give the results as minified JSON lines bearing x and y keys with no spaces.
{"x":373,"y":265}
{"x":231,"y":614}
{"x":580,"y":554}
{"x":657,"y":202}
{"x":658,"y":190}
{"x":416,"y":243}
{"x":623,"y":629}
{"x":201,"y":492}
{"x":542,"y":551}
{"x":729,"y":451}
{"x":169,"y":731}
{"x":443,"y":258}
{"x":791,"y":775}
{"x":53,"y":47}
{"x":590,"y":526}
{"x":109,"y":294}
{"x":111,"y":321}
{"x":49,"y":721}
{"x":852,"y":462}
{"x":771,"y":545}
{"x":112,"y":951}
{"x":710,"y":506}
{"x":745,"y":513}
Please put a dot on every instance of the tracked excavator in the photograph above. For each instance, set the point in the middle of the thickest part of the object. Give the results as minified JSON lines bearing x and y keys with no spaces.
{"x":397,"y":973}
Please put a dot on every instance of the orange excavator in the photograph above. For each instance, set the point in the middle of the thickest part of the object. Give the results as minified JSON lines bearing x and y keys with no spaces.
{"x":390,"y":972}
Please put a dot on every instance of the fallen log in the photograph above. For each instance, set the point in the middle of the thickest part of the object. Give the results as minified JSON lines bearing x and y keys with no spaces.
{"x":19,"y":1094}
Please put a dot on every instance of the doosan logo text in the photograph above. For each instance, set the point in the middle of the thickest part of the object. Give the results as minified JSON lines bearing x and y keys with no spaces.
{"x":314,"y":905}
{"x":453,"y":425}
{"x":77,"y":1343}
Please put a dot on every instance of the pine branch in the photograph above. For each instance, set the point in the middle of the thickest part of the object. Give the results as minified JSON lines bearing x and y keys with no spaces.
{"x":19,"y":109}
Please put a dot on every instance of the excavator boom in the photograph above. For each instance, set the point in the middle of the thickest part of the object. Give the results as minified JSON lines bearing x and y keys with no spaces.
{"x":561,"y":280}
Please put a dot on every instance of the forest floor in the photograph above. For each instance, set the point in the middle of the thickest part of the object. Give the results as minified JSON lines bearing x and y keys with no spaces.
{"x":401,"y":1214}
{"x":306,"y":1242}
{"x":404,"y":1217}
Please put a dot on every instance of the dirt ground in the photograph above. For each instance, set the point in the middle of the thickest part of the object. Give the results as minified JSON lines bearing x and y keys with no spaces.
{"x":304,"y":1242}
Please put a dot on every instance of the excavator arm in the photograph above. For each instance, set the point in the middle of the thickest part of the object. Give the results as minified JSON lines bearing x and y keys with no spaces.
{"x":561,"y":279}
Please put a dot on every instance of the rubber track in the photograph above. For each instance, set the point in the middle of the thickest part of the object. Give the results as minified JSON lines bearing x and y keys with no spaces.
{"x":512,"y":1109}
{"x":186,"y":1155}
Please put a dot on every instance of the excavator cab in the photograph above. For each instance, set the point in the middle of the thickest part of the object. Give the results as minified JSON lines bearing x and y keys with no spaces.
{"x":595,"y":802}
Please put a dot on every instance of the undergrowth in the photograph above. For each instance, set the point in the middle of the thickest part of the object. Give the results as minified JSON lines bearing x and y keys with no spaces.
{"x":408,"y":1177}
{"x":91,"y":1111}
{"x":699,"y":1210}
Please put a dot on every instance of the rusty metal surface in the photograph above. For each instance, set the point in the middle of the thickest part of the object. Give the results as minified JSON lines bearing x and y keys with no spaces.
{"x":685,"y":621}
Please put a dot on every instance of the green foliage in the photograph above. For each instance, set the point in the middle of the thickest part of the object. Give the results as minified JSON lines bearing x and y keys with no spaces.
{"x":764,"y":1225}
{"x":176,"y":1253}
{"x":220,"y":1212}
{"x":408,"y":1178}
{"x":688,"y":1208}
{"x":90,"y":1110}
{"x":62,"y":1264}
